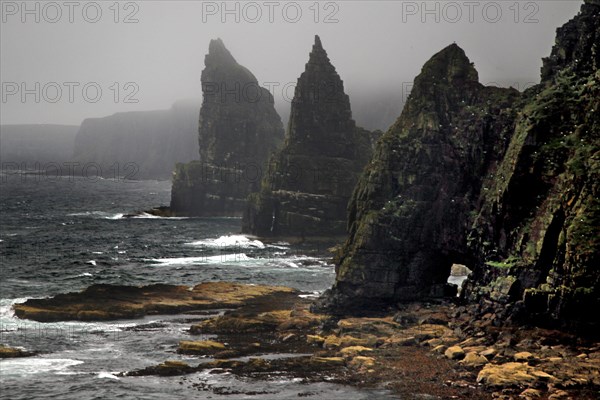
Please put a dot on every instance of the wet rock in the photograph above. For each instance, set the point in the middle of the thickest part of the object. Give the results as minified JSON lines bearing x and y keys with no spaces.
{"x":511,"y":374}
{"x":202,"y":347}
{"x":488,"y":353}
{"x":523,"y":356}
{"x":334,"y":342}
{"x":232,"y":323}
{"x":167,"y":368}
{"x":530,"y":394}
{"x":362,"y":362}
{"x":315,"y":339}
{"x":13,"y":352}
{"x":559,"y":395}
{"x":473,"y":359}
{"x":110,"y":302}
{"x":455,"y":353}
{"x":440,"y":349}
{"x":336,"y":361}
{"x":355,"y":350}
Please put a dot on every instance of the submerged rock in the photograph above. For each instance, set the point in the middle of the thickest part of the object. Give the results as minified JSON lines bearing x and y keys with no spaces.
{"x":202,"y":347}
{"x":238,"y":129}
{"x":13,"y":352}
{"x":310,"y":180}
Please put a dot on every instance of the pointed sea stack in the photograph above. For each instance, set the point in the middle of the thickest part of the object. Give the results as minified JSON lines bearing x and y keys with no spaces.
{"x":310,"y":181}
{"x":238,"y":129}
{"x":409,"y":214}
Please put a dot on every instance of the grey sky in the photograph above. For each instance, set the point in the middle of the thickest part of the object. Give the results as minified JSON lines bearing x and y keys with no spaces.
{"x":375,"y":46}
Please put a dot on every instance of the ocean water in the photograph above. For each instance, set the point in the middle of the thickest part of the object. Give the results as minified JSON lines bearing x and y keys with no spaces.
{"x":62,"y":234}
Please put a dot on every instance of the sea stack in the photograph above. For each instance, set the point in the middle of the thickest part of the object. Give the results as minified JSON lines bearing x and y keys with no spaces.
{"x":409,"y":214}
{"x":310,"y":180}
{"x":238,"y":129}
{"x":503,"y":182}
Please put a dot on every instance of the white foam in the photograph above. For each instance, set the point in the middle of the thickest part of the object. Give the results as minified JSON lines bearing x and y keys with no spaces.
{"x":7,"y":314}
{"x":222,"y":258}
{"x":107,"y":375}
{"x":97,"y":214}
{"x":312,"y":295}
{"x":229,"y":241}
{"x":35,"y":365}
{"x":145,"y":215}
{"x":84,"y":274}
{"x":92,"y":262}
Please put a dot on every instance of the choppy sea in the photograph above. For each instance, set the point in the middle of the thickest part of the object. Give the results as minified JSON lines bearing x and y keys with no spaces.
{"x":64,"y":234}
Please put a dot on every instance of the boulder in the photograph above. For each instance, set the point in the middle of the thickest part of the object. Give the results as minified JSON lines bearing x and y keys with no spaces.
{"x":455,"y":353}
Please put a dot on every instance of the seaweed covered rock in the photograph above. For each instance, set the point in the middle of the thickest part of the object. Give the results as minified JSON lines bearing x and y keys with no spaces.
{"x":410,"y":212}
{"x":310,"y":181}
{"x":238,"y":129}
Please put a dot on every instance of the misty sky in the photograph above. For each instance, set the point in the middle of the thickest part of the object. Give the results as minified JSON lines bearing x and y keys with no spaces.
{"x":375,"y":46}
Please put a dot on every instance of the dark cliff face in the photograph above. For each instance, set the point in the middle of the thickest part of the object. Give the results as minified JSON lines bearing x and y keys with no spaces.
{"x":238,"y":122}
{"x":409,"y":212}
{"x":577,"y":44}
{"x":238,"y":129}
{"x":503,"y":182}
{"x":535,"y":238}
{"x":309,"y":181}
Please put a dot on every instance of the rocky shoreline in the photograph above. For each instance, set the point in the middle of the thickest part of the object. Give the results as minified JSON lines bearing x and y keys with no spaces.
{"x":427,"y":349}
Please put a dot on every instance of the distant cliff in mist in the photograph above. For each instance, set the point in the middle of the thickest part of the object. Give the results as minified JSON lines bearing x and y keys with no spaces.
{"x":154,"y":141}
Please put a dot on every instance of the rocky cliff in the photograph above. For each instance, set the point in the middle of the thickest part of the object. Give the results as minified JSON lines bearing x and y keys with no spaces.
{"x":140,"y":144}
{"x":309,"y":181}
{"x":503,"y":182}
{"x":238,"y":129}
{"x":535,"y":239}
{"x":409,"y":212}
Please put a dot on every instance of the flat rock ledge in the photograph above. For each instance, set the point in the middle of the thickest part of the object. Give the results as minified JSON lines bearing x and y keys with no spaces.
{"x":110,"y":302}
